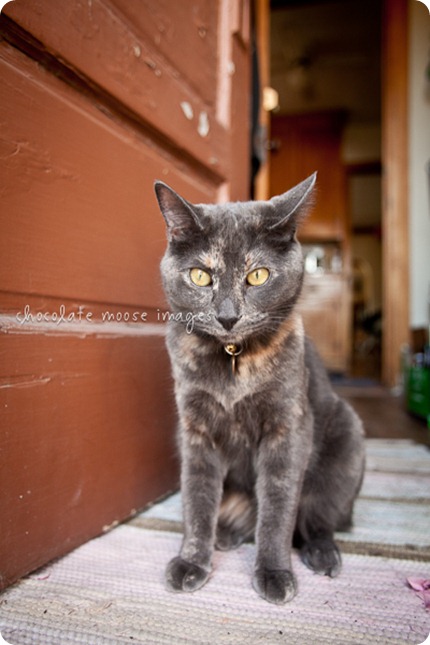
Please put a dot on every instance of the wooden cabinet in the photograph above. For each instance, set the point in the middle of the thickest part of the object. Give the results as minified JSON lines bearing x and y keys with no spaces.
{"x":326,"y":309}
{"x":304,"y":144}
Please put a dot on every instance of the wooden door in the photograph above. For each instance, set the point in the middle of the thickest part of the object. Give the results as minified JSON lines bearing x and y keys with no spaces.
{"x":99,"y":99}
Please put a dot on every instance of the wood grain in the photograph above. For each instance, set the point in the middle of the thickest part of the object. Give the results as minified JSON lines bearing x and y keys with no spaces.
{"x":395,"y":245}
{"x":85,"y":220}
{"x":100,"y":99}
{"x":86,"y":438}
{"x":118,"y":57}
{"x":325,"y":305}
{"x":304,"y":144}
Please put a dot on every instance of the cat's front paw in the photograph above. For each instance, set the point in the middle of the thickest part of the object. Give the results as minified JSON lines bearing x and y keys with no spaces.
{"x":185,"y":576}
{"x":322,"y":556}
{"x":277,"y":586}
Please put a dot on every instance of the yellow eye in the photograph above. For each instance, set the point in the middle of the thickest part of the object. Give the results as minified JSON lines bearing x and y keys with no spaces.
{"x":200,"y":278}
{"x":258,"y":277}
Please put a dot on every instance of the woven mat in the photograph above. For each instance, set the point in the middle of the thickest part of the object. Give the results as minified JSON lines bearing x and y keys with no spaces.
{"x":111,"y":589}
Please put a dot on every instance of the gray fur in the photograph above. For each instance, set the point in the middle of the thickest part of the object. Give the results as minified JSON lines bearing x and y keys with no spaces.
{"x":270,"y":452}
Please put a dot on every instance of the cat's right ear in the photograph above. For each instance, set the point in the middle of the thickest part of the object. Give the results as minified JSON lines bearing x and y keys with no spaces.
{"x":181,"y":217}
{"x":292,"y":207}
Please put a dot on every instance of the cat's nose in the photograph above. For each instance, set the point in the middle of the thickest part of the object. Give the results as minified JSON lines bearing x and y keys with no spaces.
{"x":228,"y":322}
{"x":227,"y":314}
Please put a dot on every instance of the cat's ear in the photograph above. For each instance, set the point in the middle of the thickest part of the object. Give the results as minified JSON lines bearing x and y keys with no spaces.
{"x":293,"y":206}
{"x":181,"y":217}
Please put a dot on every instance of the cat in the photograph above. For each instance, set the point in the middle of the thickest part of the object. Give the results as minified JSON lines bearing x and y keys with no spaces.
{"x":268,"y":450}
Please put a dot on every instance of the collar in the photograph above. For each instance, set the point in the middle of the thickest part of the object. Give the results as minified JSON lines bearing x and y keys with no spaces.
{"x":233,"y":350}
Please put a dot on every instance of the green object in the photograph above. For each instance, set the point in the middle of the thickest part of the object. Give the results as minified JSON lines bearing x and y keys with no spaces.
{"x":418,"y":391}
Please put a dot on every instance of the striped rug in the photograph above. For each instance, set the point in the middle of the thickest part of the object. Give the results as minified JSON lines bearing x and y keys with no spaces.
{"x":111,"y":590}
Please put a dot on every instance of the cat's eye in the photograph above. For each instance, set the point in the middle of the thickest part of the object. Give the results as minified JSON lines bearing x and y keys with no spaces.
{"x":258,"y":277}
{"x":200,"y":278}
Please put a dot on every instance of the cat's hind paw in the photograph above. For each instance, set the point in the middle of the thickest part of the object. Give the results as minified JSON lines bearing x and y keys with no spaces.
{"x":227,"y":539}
{"x":277,"y":586}
{"x":185,"y":576}
{"x":322,"y":556}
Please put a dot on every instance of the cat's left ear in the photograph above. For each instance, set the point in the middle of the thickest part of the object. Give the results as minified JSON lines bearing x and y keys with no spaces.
{"x":293,"y":206}
{"x":181,"y":217}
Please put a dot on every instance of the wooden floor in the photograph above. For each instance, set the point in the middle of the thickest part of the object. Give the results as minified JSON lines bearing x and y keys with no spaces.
{"x":384,"y":415}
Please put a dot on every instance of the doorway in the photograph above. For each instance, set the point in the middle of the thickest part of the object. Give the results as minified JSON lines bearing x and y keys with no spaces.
{"x":326,"y":68}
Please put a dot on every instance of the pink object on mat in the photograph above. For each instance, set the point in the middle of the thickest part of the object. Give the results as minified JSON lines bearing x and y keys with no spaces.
{"x":422,"y":587}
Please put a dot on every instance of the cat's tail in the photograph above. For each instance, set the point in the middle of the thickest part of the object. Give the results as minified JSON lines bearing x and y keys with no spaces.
{"x":236,"y":520}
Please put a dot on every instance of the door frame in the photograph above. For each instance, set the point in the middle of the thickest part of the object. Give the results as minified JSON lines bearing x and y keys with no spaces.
{"x":395,"y":219}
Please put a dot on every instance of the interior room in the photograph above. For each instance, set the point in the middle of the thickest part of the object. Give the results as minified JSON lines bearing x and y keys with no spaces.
{"x":326,"y":69}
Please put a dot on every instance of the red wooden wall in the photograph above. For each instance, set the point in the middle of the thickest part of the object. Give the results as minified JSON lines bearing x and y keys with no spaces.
{"x":99,"y":99}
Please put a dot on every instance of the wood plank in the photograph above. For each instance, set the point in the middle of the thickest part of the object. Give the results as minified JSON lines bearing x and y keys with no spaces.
{"x":395,"y":246}
{"x":181,"y":33}
{"x":93,"y":112}
{"x":79,"y":217}
{"x":22,"y":312}
{"x":262,"y":11}
{"x":87,"y":438}
{"x":239,"y":178}
{"x":115,"y":56}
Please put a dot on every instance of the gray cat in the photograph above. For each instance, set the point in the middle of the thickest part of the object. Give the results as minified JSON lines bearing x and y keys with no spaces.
{"x":268,"y":450}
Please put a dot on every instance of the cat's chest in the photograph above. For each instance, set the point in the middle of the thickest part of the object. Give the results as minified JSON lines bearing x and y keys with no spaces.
{"x":229,"y":382}
{"x":234,"y":389}
{"x":268,"y":370}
